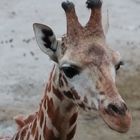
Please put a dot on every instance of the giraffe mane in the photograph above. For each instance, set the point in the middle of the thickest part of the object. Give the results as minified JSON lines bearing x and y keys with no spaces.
{"x":21,"y":120}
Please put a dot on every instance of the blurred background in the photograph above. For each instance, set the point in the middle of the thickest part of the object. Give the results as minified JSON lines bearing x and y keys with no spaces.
{"x":24,"y":69}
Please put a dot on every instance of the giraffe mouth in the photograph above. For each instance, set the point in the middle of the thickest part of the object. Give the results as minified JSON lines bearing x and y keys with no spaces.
{"x":117,"y":118}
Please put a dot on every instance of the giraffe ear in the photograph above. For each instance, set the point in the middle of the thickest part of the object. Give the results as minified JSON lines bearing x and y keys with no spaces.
{"x":46,"y":40}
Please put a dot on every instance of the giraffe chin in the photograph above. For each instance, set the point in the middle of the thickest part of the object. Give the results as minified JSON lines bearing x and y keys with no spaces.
{"x":119,"y":123}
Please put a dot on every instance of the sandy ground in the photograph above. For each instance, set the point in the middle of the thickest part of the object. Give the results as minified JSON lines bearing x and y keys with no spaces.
{"x":24,"y":69}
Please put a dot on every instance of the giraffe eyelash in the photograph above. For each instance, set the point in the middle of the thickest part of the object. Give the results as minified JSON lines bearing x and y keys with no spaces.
{"x":117,"y":67}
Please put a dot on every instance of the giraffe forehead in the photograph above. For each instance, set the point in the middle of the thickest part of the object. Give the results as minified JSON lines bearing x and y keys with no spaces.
{"x":93,"y":54}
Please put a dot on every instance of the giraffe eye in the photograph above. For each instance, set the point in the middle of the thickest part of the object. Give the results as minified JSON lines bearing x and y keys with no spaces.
{"x":117,"y":67}
{"x":70,"y":71}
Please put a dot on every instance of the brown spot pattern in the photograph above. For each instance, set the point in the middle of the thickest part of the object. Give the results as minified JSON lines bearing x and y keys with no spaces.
{"x":75,"y":94}
{"x":61,"y":84}
{"x":58,"y":93}
{"x":82,"y":105}
{"x":45,"y":104}
{"x":85,"y":99}
{"x":73,"y":119}
{"x":71,"y":134}
{"x":49,"y":87}
{"x":50,"y":105}
{"x":28,"y":136}
{"x":54,"y":115}
{"x":34,"y":127}
{"x":51,"y":74}
{"x":40,"y":137}
{"x":68,"y":94}
{"x":41,"y":117}
{"x":69,"y":107}
{"x":36,"y":135}
{"x":65,"y":80}
{"x":48,"y":134}
{"x":17,"y":136}
{"x":23,"y":132}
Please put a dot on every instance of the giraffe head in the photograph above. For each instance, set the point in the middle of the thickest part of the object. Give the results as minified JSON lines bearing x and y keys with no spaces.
{"x":87,"y":63}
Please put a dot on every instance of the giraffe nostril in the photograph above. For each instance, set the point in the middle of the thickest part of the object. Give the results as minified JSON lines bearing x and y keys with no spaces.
{"x":124,"y":106}
{"x":120,"y":110}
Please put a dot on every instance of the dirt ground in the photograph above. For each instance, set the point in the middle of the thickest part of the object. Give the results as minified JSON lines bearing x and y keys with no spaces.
{"x":24,"y":69}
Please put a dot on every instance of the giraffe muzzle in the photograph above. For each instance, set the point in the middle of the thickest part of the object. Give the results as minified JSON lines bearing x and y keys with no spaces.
{"x":116,"y":116}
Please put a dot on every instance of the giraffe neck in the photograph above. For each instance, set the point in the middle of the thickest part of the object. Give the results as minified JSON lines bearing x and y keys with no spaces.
{"x":57,"y":115}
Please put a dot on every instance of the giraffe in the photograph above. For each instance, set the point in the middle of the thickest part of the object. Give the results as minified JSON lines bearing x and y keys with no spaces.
{"x":83,"y":77}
